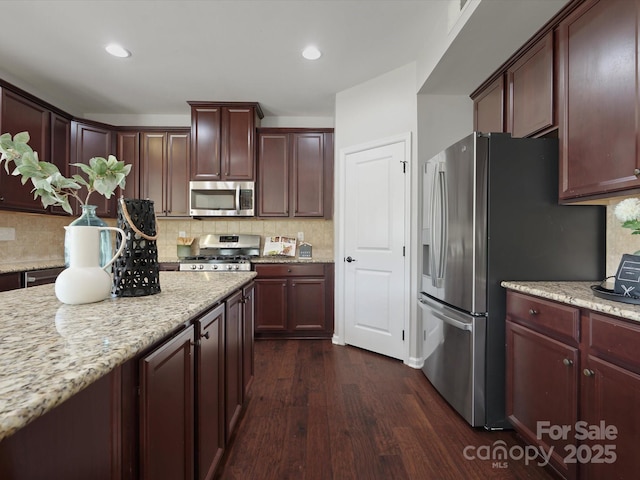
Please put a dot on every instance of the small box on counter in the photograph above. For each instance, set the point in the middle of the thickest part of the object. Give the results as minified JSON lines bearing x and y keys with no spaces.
{"x":304,"y":250}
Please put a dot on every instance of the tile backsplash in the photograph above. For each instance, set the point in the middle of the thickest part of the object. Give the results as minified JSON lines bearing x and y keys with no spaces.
{"x":41,"y":237}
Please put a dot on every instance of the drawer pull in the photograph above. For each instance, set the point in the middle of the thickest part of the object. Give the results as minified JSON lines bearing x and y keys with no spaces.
{"x":567,"y":361}
{"x":533,"y":311}
{"x":588,"y":372}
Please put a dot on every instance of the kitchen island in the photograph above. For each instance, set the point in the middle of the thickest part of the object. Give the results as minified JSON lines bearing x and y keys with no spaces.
{"x":50,"y":352}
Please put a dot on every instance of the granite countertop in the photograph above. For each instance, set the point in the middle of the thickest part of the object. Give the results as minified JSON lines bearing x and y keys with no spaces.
{"x":578,"y":294}
{"x":30,"y":265}
{"x":50,"y":351}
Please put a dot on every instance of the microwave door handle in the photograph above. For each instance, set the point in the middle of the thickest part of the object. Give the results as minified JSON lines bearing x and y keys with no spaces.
{"x":238,"y":199}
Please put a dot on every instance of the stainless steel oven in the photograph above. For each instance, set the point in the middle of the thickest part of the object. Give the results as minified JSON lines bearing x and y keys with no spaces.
{"x":223,"y":253}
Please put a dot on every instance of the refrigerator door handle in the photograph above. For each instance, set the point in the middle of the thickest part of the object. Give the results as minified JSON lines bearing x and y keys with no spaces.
{"x":446,"y":319}
{"x":439,"y":227}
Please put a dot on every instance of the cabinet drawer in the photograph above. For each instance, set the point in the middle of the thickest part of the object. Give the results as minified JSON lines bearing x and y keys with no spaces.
{"x":290,"y":270}
{"x":559,"y":321}
{"x":614,"y":340}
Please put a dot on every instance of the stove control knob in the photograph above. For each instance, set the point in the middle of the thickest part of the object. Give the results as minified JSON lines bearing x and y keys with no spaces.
{"x":237,"y":267}
{"x":193,"y":267}
{"x":215,"y":267}
{"x":201,"y":267}
{"x":229,"y":267}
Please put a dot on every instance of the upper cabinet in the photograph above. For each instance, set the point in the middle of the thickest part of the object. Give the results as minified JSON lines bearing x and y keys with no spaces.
{"x":90,"y":140}
{"x":488,"y":107}
{"x":598,"y":88}
{"x":295,"y":173}
{"x":19,"y":114}
{"x":128,"y":151}
{"x":530,"y":90}
{"x":223,"y":140}
{"x":164,"y":171}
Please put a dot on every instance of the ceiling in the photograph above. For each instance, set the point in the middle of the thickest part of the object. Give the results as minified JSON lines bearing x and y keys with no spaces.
{"x":208,"y":50}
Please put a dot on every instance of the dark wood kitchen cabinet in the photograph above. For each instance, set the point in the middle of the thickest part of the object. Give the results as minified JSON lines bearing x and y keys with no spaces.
{"x":295,"y":173}
{"x":294,"y":300}
{"x":210,"y":414}
{"x":164,"y":171}
{"x":19,"y":114}
{"x":60,"y":149}
{"x":233,"y":388}
{"x":77,"y":440}
{"x":223,"y":140}
{"x":598,"y":90}
{"x":248,"y":325}
{"x":10,"y":281}
{"x":90,"y":140}
{"x":488,"y":107}
{"x":543,"y":369}
{"x":530,"y":89}
{"x":166,"y":409}
{"x":575,"y":369}
{"x":128,"y":151}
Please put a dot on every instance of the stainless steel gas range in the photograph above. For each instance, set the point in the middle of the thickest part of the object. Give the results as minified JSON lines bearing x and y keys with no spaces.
{"x":223,"y":253}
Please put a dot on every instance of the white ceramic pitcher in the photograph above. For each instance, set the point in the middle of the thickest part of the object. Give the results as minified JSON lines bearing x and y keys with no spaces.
{"x":85,"y":281}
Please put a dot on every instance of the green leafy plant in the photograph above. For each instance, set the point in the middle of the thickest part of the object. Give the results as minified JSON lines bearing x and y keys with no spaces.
{"x":103,"y":175}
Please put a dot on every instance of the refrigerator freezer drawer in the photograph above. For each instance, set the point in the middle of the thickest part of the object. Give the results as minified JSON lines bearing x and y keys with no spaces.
{"x":454,"y":349}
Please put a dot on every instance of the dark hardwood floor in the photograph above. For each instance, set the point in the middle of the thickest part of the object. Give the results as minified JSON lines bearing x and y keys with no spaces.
{"x":321,"y":411}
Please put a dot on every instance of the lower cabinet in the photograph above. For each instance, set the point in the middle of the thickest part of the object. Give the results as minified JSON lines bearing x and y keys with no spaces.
{"x":10,"y":281}
{"x":294,"y":300}
{"x":573,"y":386}
{"x":166,"y":409}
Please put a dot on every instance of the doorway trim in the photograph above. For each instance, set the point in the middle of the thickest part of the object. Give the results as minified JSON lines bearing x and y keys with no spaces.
{"x":339,"y":255}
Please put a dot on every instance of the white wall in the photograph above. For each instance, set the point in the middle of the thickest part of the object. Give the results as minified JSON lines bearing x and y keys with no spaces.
{"x":383,"y":107}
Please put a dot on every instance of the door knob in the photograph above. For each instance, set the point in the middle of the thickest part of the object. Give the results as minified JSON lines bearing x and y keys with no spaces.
{"x":349,"y":259}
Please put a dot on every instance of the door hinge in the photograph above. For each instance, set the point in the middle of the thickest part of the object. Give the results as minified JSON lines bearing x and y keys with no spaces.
{"x":404,"y":166}
{"x":403,"y":335}
{"x":403,"y":251}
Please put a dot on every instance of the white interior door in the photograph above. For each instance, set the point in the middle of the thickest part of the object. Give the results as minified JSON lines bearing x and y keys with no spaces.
{"x":374,"y":241}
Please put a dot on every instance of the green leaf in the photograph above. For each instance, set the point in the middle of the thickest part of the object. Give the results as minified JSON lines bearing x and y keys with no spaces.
{"x":22,"y":137}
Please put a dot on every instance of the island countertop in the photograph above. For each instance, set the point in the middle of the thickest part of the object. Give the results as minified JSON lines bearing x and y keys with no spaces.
{"x":578,"y":294}
{"x":50,"y":351}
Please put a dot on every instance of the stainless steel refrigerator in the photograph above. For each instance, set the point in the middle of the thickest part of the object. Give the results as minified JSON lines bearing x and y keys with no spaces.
{"x":490,"y":212}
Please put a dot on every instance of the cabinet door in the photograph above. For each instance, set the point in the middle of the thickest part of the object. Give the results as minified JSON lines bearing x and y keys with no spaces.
{"x":60,"y":149}
{"x":307,"y":304}
{"x":10,"y":281}
{"x":93,"y":141}
{"x":307,"y":188}
{"x":206,"y":124}
{"x":271,"y":305}
{"x":542,"y":386}
{"x":209,"y":392}
{"x":611,"y":399}
{"x":248,"y":319}
{"x":153,"y":163}
{"x":166,"y":410}
{"x":488,"y":108}
{"x":19,"y":115}
{"x":233,"y":362}
{"x":273,"y":175}
{"x":128,"y":151}
{"x":530,"y":90}
{"x":598,"y":88}
{"x":238,"y":150}
{"x":178,"y":148}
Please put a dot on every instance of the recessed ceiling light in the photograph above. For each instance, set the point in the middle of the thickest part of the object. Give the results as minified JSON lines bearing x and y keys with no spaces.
{"x":117,"y":50}
{"x":311,"y":53}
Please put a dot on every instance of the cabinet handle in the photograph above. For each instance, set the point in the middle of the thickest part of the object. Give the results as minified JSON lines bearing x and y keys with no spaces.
{"x":293,"y":284}
{"x":588,"y":372}
{"x":568,"y":362}
{"x":533,"y":311}
{"x":205,"y":335}
{"x":1,"y":199}
{"x":636,"y":171}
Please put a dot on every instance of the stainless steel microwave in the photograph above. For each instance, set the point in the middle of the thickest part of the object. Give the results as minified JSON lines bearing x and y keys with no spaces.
{"x":222,"y":199}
